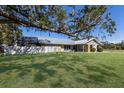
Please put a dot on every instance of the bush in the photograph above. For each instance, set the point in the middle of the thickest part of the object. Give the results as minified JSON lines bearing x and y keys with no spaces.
{"x":112,"y":46}
{"x":100,"y":49}
{"x":1,"y":50}
{"x":1,"y":54}
{"x":118,"y":47}
{"x":93,"y":50}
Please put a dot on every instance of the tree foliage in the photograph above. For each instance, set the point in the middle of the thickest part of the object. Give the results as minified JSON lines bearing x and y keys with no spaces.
{"x":9,"y":34}
{"x":73,"y":21}
{"x":114,"y":46}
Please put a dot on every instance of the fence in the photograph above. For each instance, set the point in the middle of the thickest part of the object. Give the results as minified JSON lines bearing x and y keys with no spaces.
{"x":29,"y":50}
{"x":23,"y":50}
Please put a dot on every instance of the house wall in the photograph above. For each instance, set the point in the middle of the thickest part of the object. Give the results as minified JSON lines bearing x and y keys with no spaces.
{"x":62,"y":48}
{"x":92,"y":44}
{"x":55,"y":48}
{"x":85,"y":48}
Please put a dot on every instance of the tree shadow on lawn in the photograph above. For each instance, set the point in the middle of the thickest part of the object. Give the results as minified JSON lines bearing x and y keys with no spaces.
{"x":98,"y":74}
{"x":102,"y":70}
{"x":15,"y":58}
{"x":24,"y":69}
{"x":43,"y":72}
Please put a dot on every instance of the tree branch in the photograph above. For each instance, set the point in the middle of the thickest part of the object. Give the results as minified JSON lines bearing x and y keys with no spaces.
{"x":28,"y":24}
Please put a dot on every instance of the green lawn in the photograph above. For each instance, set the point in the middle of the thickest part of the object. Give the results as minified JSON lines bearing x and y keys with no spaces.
{"x":63,"y":70}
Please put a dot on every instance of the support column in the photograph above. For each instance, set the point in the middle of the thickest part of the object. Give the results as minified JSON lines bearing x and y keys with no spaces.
{"x":96,"y":48}
{"x":83,"y":48}
{"x":77,"y":47}
{"x":88,"y":46}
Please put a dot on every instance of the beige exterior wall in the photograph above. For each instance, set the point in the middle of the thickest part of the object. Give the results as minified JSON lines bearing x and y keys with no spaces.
{"x":92,"y":44}
{"x":62,"y":48}
{"x":88,"y":48}
{"x":84,"y":48}
{"x":56,"y":48}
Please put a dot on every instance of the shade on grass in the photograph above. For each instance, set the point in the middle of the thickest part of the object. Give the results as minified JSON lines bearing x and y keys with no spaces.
{"x":63,"y":70}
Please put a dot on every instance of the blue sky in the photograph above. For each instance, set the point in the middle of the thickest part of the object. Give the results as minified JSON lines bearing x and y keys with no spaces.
{"x":117,"y":13}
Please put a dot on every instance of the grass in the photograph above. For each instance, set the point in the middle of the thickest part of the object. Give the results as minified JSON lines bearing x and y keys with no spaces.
{"x":113,"y":51}
{"x":62,"y":70}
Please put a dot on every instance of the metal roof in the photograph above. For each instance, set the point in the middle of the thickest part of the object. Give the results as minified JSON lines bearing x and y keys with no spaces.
{"x":45,"y":40}
{"x":84,"y":41}
{"x":48,"y":40}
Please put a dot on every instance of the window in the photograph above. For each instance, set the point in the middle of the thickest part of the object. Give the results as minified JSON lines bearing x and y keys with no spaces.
{"x":67,"y":47}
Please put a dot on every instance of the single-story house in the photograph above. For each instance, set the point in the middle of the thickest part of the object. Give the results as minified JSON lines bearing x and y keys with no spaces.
{"x":31,"y":45}
{"x":60,"y":45}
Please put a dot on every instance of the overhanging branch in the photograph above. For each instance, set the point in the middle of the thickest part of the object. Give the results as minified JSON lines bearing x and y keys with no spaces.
{"x":29,"y":24}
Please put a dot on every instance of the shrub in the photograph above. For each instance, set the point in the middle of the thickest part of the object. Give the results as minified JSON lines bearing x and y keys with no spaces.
{"x":112,"y":46}
{"x":93,"y":50}
{"x":100,"y":49}
{"x":1,"y":50}
{"x":1,"y":54}
{"x":118,"y":47}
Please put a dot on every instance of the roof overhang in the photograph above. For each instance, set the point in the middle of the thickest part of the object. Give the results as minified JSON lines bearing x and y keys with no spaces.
{"x":95,"y":40}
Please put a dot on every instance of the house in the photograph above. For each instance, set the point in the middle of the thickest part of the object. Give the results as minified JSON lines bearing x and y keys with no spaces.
{"x":61,"y":45}
{"x":33,"y":45}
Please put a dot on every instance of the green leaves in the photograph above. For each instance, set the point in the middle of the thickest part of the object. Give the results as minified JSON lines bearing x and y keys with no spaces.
{"x":9,"y":34}
{"x":74,"y":21}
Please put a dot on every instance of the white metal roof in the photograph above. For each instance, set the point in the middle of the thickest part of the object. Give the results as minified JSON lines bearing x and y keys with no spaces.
{"x":56,"y":40}
{"x":48,"y":40}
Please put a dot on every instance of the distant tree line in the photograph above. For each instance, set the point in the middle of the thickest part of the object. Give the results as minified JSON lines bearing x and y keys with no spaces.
{"x":114,"y":46}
